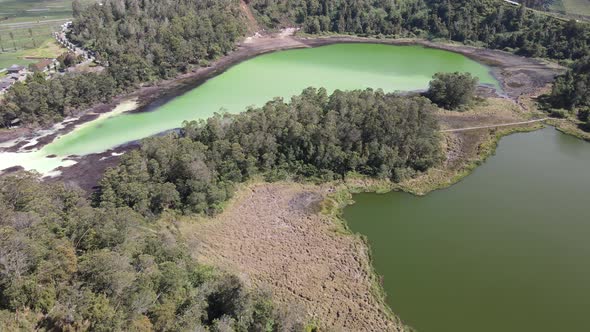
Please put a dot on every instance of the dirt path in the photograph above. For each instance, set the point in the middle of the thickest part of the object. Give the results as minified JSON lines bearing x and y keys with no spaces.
{"x":517,"y":75}
{"x":252,"y":23}
{"x":493,"y":126}
{"x":273,"y":236}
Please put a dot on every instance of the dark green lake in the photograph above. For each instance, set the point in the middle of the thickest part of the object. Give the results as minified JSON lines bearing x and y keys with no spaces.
{"x":506,"y":249}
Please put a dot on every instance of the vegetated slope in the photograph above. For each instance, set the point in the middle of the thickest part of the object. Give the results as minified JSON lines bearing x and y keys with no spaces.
{"x":67,"y":266}
{"x":490,"y":23}
{"x":142,"y":40}
{"x":315,"y":136}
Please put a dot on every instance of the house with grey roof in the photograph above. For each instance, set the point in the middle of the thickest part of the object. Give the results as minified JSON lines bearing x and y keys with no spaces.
{"x":16,"y":69}
{"x":5,"y":84}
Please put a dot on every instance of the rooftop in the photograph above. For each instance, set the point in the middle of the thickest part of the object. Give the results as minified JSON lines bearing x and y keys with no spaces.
{"x":5,"y":83}
{"x":15,"y":68}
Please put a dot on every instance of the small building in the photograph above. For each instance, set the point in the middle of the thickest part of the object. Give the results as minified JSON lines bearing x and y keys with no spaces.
{"x":15,"y":123}
{"x":16,"y":69}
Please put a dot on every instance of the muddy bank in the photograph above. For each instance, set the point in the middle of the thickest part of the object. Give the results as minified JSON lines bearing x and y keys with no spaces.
{"x":517,"y":75}
{"x":275,"y":238}
{"x":88,"y":170}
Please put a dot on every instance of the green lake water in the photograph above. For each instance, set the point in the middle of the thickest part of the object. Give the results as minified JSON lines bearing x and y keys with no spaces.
{"x":255,"y":81}
{"x":506,"y":249}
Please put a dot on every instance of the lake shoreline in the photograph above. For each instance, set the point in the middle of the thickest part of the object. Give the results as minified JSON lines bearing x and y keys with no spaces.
{"x":389,"y":210}
{"x":505,"y":67}
{"x":332,"y":202}
{"x":257,"y":205}
{"x":89,"y":167}
{"x":336,"y":284}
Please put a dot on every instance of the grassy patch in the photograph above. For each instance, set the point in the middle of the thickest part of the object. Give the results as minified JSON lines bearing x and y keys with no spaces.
{"x":570,"y":126}
{"x":28,"y":25}
{"x":18,"y":11}
{"x":574,"y":7}
{"x":47,"y":49}
{"x":577,"y":9}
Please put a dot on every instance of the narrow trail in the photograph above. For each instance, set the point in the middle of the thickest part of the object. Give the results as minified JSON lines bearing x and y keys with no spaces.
{"x":493,"y":126}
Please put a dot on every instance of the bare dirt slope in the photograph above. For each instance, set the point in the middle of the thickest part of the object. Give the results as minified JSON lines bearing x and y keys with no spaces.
{"x":275,"y":238}
{"x":252,"y":23}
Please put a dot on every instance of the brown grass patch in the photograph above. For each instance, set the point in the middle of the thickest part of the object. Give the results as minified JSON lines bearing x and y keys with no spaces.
{"x":275,"y":238}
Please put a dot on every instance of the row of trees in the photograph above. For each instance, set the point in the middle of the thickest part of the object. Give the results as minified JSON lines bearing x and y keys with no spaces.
{"x":314,"y":136}
{"x":140,"y":41}
{"x":491,"y":23}
{"x":66,"y":266}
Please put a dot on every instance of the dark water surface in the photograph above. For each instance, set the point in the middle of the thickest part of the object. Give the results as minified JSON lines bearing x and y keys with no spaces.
{"x":507,"y":249}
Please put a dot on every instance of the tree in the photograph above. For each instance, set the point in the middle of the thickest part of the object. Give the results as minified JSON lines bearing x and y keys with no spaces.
{"x":11,"y":34}
{"x":572,"y":89}
{"x":452,"y":90}
{"x":313,"y":136}
{"x":493,"y":23}
{"x":76,"y":8}
{"x":32,"y":38}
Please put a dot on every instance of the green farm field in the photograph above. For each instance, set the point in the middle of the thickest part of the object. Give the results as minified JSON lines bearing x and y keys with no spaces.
{"x":26,"y":27}
{"x":572,"y":7}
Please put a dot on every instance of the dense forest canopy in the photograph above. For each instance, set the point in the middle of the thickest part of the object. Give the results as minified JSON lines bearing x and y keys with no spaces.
{"x":147,"y":39}
{"x":491,"y":23}
{"x":65,"y":265}
{"x":39,"y":100}
{"x":571,"y":90}
{"x":312,"y":136}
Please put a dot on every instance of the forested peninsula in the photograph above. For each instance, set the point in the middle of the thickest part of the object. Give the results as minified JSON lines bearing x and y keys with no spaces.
{"x":312,"y":137}
{"x":73,"y":263}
